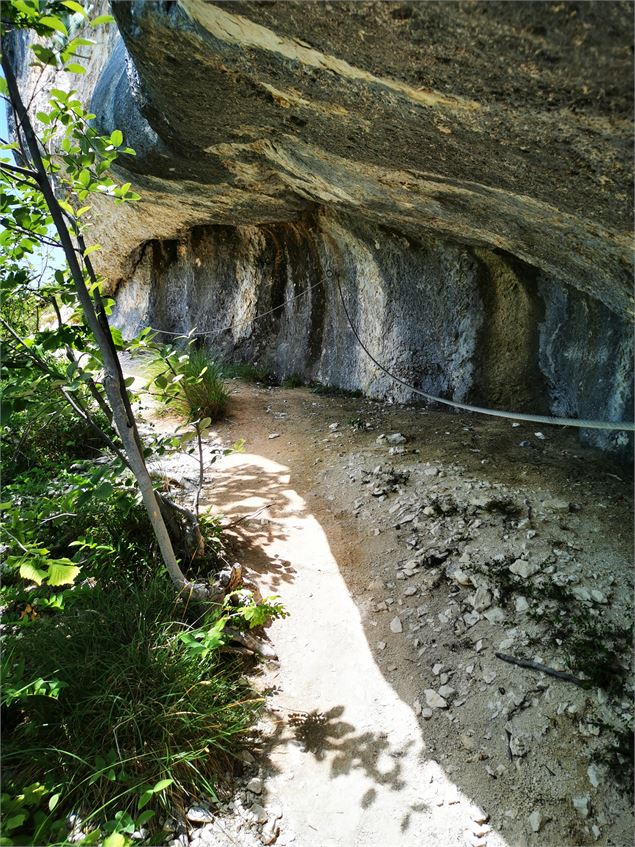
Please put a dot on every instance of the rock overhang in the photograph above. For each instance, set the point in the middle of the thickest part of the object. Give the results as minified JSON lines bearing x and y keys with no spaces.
{"x":247,"y":113}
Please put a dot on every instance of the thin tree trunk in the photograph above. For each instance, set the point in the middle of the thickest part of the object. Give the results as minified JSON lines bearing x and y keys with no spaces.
{"x":113,"y":381}
{"x":73,"y":402}
{"x":197,"y":499}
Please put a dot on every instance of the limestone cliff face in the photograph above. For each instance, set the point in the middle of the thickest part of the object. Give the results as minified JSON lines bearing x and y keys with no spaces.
{"x":493,"y":124}
{"x":472,"y":325}
{"x":462,"y":168}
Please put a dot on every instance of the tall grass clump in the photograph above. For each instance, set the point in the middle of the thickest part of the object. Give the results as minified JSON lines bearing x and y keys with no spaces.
{"x":203,"y":386}
{"x":191,"y":380}
{"x":136,"y":709}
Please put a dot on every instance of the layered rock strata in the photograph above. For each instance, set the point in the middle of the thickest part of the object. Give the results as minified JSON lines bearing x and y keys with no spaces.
{"x":463,"y":169}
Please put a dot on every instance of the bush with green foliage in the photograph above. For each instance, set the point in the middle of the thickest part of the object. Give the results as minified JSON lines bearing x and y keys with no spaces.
{"x":189,"y":379}
{"x":125,"y":704}
{"x":203,"y":386}
{"x":111,"y":684}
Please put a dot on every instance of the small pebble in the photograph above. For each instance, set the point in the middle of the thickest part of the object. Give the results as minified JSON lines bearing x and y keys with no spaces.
{"x":535,"y":821}
{"x":255,"y":785}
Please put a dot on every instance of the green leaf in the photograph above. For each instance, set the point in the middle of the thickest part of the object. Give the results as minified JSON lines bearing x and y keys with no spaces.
{"x":27,"y":9}
{"x":3,"y":85}
{"x":44,"y":54}
{"x":75,"y":7}
{"x":67,"y":208}
{"x":92,"y":838}
{"x":103,"y":491}
{"x":53,"y":23}
{"x":61,"y":573}
{"x":144,"y":799}
{"x":144,"y":817}
{"x":102,"y":19}
{"x":29,"y":571}
{"x":116,"y":138}
{"x":116,"y":839}
{"x":74,"y":68}
{"x":161,"y":785}
{"x":92,"y":249}
{"x":53,"y":801}
{"x":60,"y":95}
{"x":16,"y":820}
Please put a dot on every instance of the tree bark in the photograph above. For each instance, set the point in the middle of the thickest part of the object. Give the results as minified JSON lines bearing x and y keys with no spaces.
{"x":113,"y":381}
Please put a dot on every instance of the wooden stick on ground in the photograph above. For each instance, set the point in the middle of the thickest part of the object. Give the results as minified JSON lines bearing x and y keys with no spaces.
{"x":537,"y":666}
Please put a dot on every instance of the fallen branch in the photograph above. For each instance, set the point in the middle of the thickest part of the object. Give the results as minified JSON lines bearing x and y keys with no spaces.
{"x":251,"y":643}
{"x":234,"y":649}
{"x":538,"y":666}
{"x":246,"y":517}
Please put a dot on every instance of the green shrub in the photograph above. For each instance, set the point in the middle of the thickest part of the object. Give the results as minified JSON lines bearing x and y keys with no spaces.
{"x":46,"y":434}
{"x":134,"y":707}
{"x":86,"y":512}
{"x":191,"y":380}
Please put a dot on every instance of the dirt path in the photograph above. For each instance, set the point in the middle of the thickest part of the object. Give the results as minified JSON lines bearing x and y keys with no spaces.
{"x":390,"y":719}
{"x":347,"y":760}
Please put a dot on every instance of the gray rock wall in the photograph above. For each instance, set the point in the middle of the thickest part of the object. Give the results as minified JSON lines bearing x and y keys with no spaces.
{"x":586,"y":354}
{"x":457,"y":322}
{"x":489,"y":124}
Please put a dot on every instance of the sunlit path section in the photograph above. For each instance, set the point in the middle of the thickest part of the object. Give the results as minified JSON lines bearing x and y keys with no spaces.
{"x":348,"y":756}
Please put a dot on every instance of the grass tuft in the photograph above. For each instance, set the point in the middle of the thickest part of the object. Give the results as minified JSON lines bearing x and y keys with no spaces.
{"x":292,"y":381}
{"x":135,"y":707}
{"x":248,"y":372}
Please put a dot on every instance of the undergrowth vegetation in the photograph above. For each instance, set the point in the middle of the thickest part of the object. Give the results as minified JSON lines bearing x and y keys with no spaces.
{"x":106,"y":690}
{"x":203,"y":386}
{"x":122,"y":700}
{"x":134,"y":707}
{"x":249,"y":372}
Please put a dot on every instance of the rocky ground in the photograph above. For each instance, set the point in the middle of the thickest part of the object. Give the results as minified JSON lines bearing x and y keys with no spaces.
{"x":450,"y":541}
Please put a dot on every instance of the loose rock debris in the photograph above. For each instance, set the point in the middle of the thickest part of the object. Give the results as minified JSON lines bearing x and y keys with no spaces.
{"x":457,"y":563}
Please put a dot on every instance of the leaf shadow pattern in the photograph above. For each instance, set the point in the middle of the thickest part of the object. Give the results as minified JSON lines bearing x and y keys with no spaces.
{"x":249,"y":544}
{"x":258,"y":500}
{"x":328,"y":738}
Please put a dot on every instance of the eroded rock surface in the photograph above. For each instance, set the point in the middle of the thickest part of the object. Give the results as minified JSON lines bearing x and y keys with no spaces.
{"x":487,"y":123}
{"x":453,"y":321}
{"x":463,"y":170}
